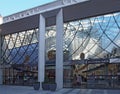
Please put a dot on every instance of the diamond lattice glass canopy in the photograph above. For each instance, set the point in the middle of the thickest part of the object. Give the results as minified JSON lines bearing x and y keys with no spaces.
{"x":96,"y":37}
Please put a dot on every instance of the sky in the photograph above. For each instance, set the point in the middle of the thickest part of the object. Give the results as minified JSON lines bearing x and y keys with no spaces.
{"x":8,"y":7}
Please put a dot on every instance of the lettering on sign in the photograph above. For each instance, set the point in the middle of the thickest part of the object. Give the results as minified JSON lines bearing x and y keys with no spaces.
{"x":37,"y":10}
{"x":66,"y":2}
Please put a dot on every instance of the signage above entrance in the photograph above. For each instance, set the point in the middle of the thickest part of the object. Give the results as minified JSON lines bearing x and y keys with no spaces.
{"x":67,"y":2}
{"x":90,"y":61}
{"x":41,"y":9}
{"x":115,"y":60}
{"x":97,"y":61}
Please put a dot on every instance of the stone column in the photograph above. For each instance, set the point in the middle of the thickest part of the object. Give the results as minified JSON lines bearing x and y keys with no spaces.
{"x":59,"y":49}
{"x":41,"y":50}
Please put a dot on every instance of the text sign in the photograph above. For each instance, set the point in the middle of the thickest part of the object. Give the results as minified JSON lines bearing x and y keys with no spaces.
{"x":98,"y":61}
{"x":67,"y":2}
{"x":115,"y":60}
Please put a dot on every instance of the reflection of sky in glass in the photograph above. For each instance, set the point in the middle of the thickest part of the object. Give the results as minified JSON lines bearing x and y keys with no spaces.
{"x":97,"y":37}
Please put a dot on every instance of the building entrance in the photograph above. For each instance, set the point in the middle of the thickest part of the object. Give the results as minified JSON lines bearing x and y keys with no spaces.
{"x":20,"y":75}
{"x":102,"y":75}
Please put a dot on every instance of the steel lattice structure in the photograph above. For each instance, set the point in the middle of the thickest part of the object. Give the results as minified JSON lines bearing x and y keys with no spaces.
{"x":96,"y":37}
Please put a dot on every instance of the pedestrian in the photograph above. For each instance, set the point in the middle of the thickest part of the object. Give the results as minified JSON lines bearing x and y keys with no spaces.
{"x":79,"y":80}
{"x":74,"y":81}
{"x":118,"y":77}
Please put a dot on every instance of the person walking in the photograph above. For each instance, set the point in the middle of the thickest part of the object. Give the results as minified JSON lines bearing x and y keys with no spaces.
{"x":74,"y":81}
{"x":79,"y":80}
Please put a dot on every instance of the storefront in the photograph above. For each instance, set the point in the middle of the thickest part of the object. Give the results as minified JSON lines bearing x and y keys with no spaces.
{"x":66,"y":47}
{"x":95,"y":73}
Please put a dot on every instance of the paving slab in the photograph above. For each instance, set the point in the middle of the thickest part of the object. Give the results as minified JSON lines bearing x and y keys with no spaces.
{"x":4,"y":89}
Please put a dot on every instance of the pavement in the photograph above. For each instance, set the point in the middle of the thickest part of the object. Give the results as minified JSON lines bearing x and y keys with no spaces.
{"x":4,"y":89}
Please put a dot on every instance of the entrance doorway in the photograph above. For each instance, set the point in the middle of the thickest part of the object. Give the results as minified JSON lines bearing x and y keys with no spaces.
{"x":20,"y":75}
{"x":100,"y":75}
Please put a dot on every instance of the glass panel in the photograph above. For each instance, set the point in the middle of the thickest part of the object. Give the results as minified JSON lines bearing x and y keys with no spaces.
{"x":21,"y":51}
{"x":95,"y":39}
{"x":50,"y":53}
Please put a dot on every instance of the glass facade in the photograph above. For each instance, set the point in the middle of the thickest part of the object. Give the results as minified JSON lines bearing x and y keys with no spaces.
{"x":88,"y":45}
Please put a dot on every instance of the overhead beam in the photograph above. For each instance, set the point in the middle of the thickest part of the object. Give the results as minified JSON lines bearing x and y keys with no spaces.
{"x":70,"y":13}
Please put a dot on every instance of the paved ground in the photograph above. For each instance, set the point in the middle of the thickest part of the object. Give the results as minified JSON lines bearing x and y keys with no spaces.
{"x":30,"y":90}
